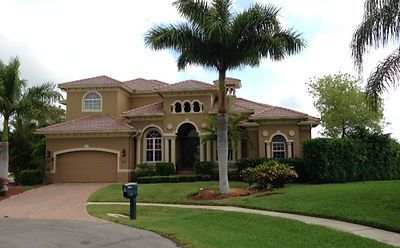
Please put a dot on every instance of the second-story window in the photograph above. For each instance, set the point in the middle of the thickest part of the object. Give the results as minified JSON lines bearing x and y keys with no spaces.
{"x":92,"y":102}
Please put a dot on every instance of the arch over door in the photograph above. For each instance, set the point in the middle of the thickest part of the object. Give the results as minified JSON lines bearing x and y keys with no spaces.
{"x":86,"y":166}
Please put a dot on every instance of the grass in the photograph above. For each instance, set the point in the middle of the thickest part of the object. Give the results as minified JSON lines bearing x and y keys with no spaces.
{"x":374,"y":203}
{"x":209,"y":229}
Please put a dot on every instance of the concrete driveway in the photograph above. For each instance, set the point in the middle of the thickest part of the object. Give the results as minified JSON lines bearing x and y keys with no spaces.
{"x":55,"y":216}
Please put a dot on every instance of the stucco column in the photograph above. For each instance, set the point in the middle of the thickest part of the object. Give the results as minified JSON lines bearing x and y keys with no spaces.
{"x":166,"y":150}
{"x":289,"y":149}
{"x":201,"y":148}
{"x":239,"y":151}
{"x":208,"y":153}
{"x":173,"y":147}
{"x":268,"y":149}
{"x":138,"y":149}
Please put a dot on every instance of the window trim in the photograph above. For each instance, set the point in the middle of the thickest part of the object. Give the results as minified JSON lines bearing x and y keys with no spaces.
{"x":153,"y":146}
{"x":284,"y":146}
{"x":92,"y":110}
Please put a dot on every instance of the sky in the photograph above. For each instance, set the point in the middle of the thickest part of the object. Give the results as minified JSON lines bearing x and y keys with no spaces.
{"x":63,"y":40}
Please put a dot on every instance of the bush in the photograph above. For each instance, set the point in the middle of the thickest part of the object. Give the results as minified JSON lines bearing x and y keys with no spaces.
{"x":270,"y":174}
{"x":145,"y":170}
{"x":204,"y":167}
{"x":165,"y":169}
{"x":166,"y":179}
{"x":31,"y":177}
{"x":296,"y":163}
{"x":364,"y":157}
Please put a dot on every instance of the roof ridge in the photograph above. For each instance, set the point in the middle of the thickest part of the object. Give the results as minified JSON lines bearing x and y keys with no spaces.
{"x":259,"y":103}
{"x":105,"y":76}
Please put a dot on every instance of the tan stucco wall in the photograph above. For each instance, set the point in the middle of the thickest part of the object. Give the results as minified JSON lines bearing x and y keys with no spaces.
{"x":139,"y":100}
{"x":283,"y":128}
{"x":75,"y":100}
{"x":55,"y":145}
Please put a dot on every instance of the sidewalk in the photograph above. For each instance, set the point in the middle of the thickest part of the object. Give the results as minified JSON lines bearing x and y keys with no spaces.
{"x":383,"y":236}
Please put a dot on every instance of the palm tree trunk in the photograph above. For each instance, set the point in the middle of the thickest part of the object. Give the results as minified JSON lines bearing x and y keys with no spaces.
{"x":4,"y":152}
{"x":222,"y":136}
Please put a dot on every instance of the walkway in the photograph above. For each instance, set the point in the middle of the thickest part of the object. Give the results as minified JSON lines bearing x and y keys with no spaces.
{"x":383,"y":236}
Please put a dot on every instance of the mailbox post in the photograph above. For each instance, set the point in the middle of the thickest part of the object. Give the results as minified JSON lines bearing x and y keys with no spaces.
{"x":130,"y":191}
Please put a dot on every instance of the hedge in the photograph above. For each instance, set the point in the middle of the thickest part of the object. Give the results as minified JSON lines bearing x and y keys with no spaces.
{"x":332,"y":160}
{"x":204,"y":167}
{"x":165,"y":169}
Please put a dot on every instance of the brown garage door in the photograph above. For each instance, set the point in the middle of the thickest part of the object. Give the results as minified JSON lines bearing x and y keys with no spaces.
{"x":86,"y":166}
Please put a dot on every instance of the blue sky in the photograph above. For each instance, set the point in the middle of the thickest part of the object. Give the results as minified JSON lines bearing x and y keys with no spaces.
{"x":62,"y":40}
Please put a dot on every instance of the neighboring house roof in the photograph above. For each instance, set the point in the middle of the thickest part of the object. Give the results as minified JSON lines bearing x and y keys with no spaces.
{"x":151,"y":109}
{"x":94,"y":81}
{"x":87,"y":124}
{"x":188,"y":85}
{"x":140,"y":84}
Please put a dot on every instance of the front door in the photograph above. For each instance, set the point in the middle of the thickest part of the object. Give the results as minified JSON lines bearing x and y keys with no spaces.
{"x":189,"y":143}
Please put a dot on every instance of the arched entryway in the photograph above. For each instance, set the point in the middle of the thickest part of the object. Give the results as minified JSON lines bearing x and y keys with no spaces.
{"x":188,"y":147}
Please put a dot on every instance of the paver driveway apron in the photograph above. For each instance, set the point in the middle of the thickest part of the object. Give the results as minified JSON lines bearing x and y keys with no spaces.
{"x":65,"y":201}
{"x":55,"y":216}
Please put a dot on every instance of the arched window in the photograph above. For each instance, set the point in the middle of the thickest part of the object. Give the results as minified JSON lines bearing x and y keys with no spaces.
{"x":178,"y":107}
{"x":196,"y":107}
{"x":92,"y":102}
{"x":278,"y":146}
{"x":153,"y":146}
{"x":187,"y":107}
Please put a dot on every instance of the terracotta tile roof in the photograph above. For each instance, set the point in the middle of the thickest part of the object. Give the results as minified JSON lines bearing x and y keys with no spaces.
{"x":93,"y":123}
{"x":187,"y":85}
{"x":151,"y":109}
{"x":278,"y":113}
{"x":140,"y":84}
{"x":94,"y":81}
{"x":229,"y":81}
{"x":266,"y":111}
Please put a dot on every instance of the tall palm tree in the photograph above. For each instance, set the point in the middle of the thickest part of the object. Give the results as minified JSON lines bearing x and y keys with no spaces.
{"x":217,"y":38}
{"x":14,"y":99}
{"x":379,"y":27}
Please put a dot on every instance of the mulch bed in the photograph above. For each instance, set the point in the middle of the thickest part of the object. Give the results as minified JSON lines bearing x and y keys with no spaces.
{"x":13,"y":191}
{"x":213,"y":194}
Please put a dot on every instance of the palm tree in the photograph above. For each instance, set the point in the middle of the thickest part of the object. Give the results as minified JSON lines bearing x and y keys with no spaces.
{"x":15,"y":101}
{"x":380,"y":25}
{"x":218,"y":39}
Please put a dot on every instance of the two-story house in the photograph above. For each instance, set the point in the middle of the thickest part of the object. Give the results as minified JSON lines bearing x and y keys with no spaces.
{"x":112,"y":126}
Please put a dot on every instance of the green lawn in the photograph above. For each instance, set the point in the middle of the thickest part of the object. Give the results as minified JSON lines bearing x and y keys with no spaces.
{"x":206,"y":228}
{"x":372,"y":203}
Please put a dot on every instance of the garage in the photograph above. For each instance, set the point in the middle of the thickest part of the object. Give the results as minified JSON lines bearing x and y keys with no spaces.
{"x":86,"y":166}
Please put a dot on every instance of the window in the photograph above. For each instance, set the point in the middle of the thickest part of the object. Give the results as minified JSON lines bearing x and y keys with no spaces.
{"x":178,"y":107}
{"x":92,"y":102}
{"x":196,"y":107}
{"x":153,"y":146}
{"x":278,"y":146}
{"x":187,"y":107}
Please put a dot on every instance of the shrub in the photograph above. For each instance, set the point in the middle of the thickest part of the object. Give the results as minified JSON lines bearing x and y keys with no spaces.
{"x":166,"y":179}
{"x":165,"y":169}
{"x":204,"y":167}
{"x":31,"y":177}
{"x":144,"y":170}
{"x":270,"y":174}
{"x":296,"y":163}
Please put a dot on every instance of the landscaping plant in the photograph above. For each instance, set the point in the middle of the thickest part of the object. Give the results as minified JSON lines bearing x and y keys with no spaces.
{"x":4,"y":184}
{"x":270,"y":174}
{"x":165,"y":169}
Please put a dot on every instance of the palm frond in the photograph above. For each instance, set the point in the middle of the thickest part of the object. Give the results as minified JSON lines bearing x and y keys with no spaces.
{"x":218,"y":20}
{"x":386,"y":74}
{"x":193,"y":10}
{"x":380,"y":24}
